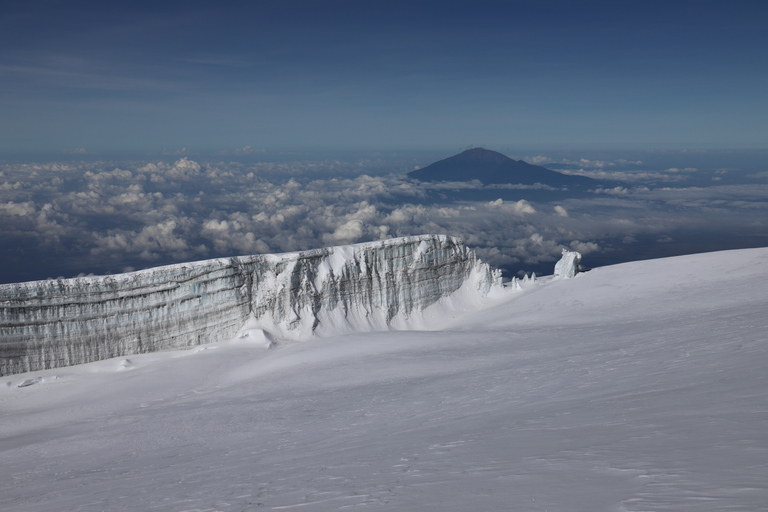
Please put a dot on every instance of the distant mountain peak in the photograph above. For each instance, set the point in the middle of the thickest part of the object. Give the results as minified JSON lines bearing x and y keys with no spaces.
{"x":492,"y":167}
{"x":482,"y":154}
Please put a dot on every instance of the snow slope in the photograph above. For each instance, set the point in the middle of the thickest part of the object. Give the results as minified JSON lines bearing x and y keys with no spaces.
{"x":635,"y":387}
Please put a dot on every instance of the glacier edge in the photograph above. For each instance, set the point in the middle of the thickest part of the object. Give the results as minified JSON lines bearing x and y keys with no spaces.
{"x":371,"y":286}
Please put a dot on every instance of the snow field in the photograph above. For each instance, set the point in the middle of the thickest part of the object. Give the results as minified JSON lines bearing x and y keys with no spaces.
{"x":640,"y":386}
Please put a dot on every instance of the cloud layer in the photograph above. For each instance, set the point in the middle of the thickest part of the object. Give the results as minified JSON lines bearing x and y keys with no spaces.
{"x":80,"y":217}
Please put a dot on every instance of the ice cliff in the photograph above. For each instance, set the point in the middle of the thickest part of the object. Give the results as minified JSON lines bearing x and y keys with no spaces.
{"x":569,"y":264}
{"x":372,"y":286}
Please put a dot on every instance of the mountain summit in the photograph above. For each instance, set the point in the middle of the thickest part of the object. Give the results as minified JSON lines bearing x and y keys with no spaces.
{"x":491,"y":167}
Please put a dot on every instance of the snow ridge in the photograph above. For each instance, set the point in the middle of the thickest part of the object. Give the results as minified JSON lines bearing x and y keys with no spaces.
{"x":371,"y":286}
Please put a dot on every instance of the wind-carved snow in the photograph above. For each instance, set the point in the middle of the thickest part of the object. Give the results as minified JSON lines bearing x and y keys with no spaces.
{"x":373,"y":286}
{"x":568,"y":265}
{"x":634,"y":387}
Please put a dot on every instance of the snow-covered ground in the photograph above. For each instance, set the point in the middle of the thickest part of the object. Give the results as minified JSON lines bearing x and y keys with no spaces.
{"x":641,"y":386}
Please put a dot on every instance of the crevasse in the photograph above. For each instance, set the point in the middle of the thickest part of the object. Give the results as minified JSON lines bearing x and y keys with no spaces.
{"x":371,"y":286}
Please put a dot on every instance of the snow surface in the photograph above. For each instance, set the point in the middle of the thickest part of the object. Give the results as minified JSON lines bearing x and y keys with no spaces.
{"x":641,"y":386}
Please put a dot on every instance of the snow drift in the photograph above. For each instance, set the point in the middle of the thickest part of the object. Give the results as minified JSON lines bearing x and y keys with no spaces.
{"x":372,"y":286}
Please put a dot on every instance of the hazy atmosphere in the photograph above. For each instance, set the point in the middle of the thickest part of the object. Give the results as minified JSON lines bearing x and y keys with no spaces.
{"x":137,"y":134}
{"x":140,"y":76}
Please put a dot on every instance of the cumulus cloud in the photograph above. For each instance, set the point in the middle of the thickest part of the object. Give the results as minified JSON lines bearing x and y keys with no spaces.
{"x":17,"y":209}
{"x":350,"y":231}
{"x":613,"y":191}
{"x":149,"y":243}
{"x":538,"y":159}
{"x":520,"y":207}
{"x":248,"y":150}
{"x":106,"y":216}
{"x":584,"y":247}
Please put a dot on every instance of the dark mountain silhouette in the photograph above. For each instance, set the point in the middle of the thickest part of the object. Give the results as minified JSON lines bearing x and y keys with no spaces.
{"x":491,"y":167}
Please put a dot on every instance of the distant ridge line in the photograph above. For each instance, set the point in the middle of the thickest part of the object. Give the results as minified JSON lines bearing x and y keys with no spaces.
{"x":492,"y":167}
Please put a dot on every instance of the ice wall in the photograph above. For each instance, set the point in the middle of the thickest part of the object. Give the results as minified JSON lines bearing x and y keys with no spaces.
{"x":371,"y":286}
{"x":569,"y":264}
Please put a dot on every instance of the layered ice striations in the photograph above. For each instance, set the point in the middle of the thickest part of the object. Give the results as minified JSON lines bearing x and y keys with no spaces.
{"x":48,"y":324}
{"x":371,"y":286}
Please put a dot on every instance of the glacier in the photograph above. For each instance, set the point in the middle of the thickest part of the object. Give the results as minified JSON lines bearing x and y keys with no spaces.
{"x":389,"y":284}
{"x":569,"y":264}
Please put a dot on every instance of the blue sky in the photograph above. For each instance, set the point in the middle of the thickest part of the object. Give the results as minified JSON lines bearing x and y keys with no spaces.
{"x":152,"y":76}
